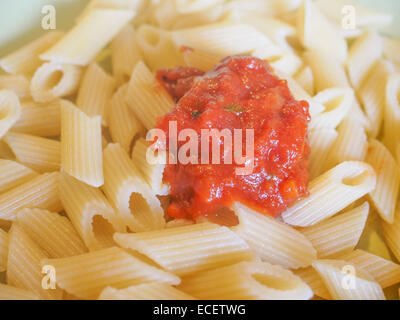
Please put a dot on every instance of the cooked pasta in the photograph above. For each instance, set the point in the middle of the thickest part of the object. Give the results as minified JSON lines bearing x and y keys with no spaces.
{"x":247,"y":280}
{"x":86,"y":275}
{"x":3,"y":249}
{"x":189,"y":249}
{"x":81,"y":151}
{"x":331,"y":192}
{"x":95,"y":91}
{"x":17,"y":83}
{"x":12,"y":174}
{"x":10,"y":109}
{"x":40,"y":154}
{"x":8,"y":292}
{"x":54,"y":80}
{"x":273,"y":241}
{"x":145,"y":291}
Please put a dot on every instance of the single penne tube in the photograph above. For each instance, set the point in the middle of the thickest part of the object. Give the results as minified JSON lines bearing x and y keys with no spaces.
{"x":122,"y":122}
{"x":279,"y":59}
{"x":385,"y":272}
{"x":4,"y":241}
{"x":186,"y":7}
{"x":333,"y":73}
{"x":145,"y":291}
{"x":188,"y":249}
{"x":331,"y":192}
{"x":8,"y":292}
{"x":26,"y":59}
{"x":272,"y":240}
{"x":339,"y":234}
{"x":350,"y":144}
{"x":146,"y":97}
{"x":95,"y":91}
{"x":17,"y":83}
{"x":372,"y":95}
{"x":151,"y":165}
{"x":129,"y":192}
{"x":305,"y":78}
{"x":125,"y":53}
{"x":345,"y":281}
{"x":337,"y":103}
{"x":40,"y":192}
{"x":40,"y":154}
{"x":358,"y":63}
{"x":107,"y":22}
{"x":198,"y":58}
{"x":10,"y":108}
{"x":321,"y":141}
{"x":247,"y":281}
{"x":52,"y":232}
{"x":151,"y":41}
{"x":87,"y":274}
{"x":391,"y":233}
{"x":54,"y":80}
{"x":89,"y":211}
{"x":314,"y":281}
{"x":23,"y":267}
{"x":81,"y":149}
{"x":39,"y":119}
{"x":391,"y":123}
{"x":223,"y":39}
{"x":385,"y":194}
{"x":317,"y":32}
{"x":13,"y":174}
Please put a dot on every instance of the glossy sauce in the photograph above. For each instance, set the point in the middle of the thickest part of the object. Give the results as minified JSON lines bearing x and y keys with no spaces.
{"x":240,"y":93}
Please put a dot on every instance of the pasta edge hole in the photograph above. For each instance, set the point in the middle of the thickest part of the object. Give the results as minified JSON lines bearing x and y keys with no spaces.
{"x":355,"y":180}
{"x":53,"y":80}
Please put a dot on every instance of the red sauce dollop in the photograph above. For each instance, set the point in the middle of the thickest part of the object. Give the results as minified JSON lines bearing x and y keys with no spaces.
{"x":240,"y":93}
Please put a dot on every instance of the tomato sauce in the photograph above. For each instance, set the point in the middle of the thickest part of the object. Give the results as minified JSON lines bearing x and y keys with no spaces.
{"x":241,"y":92}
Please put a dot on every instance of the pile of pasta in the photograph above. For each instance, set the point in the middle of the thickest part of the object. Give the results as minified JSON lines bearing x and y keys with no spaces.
{"x":81,"y":209}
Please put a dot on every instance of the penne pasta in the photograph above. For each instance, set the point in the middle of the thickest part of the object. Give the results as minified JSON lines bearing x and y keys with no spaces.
{"x":350,"y":144}
{"x":151,"y":165}
{"x":317,"y":32}
{"x":26,"y":59}
{"x":385,"y":194}
{"x":358,"y":63}
{"x":23,"y":268}
{"x":17,"y":83}
{"x":53,"y":80}
{"x":331,"y":192}
{"x":151,"y":41}
{"x":305,"y":78}
{"x":339,"y":234}
{"x":337,"y":103}
{"x":87,"y":274}
{"x":391,"y":48}
{"x":81,"y":150}
{"x":273,"y":241}
{"x":39,"y":119}
{"x":90,"y":213}
{"x":40,"y":192}
{"x":372,"y":94}
{"x":129,"y":192}
{"x":145,"y":291}
{"x":4,"y":240}
{"x":342,"y":286}
{"x":8,"y":292}
{"x":122,"y":122}
{"x":385,"y":272}
{"x":391,"y":125}
{"x":146,"y":97}
{"x":200,"y":59}
{"x":391,"y":232}
{"x":314,"y":281}
{"x":95,"y":91}
{"x":52,"y":232}
{"x":10,"y":108}
{"x":188,"y":249}
{"x":321,"y":142}
{"x":224,"y":39}
{"x":37,"y":153}
{"x":69,"y":49}
{"x":13,"y":174}
{"x":247,"y":281}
